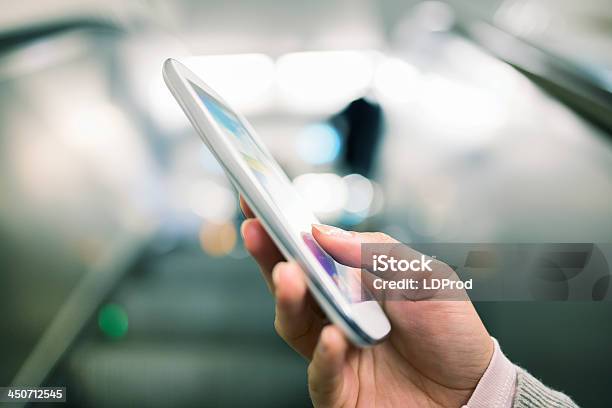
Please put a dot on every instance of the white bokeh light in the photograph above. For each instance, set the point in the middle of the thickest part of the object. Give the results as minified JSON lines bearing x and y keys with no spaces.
{"x":319,"y":143}
{"x":212,"y":201}
{"x":360,"y":194}
{"x":397,"y":80}
{"x":325,"y":193}
{"x":244,"y":80}
{"x":323,"y":80}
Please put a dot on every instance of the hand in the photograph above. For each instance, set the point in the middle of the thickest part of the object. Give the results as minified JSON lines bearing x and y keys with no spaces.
{"x":435,"y":355}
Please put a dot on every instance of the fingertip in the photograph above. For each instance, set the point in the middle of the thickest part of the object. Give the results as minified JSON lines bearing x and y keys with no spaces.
{"x":276,"y":273}
{"x":333,"y":341}
{"x":343,"y":246}
{"x":244,"y":226}
{"x":289,"y":283}
{"x":329,"y":231}
{"x":255,"y":237}
{"x":249,"y":234}
{"x":328,"y":360}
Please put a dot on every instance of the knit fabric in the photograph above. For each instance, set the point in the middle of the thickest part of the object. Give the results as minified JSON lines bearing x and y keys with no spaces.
{"x":531,"y":393}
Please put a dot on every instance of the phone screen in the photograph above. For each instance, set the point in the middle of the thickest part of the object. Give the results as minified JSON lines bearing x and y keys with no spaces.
{"x":298,"y":217}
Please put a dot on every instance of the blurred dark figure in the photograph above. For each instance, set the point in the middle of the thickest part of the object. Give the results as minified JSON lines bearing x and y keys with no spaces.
{"x":361,"y":123}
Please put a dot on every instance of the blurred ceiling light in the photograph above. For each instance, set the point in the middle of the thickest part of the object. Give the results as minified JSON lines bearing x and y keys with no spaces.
{"x":523,"y":17}
{"x":212,"y":202}
{"x":435,"y":15}
{"x":468,"y":114}
{"x":244,"y":80}
{"x":397,"y":80}
{"x":323,"y":81}
{"x":102,"y":136}
{"x":351,"y":32}
{"x":142,"y":57}
{"x":93,"y":127}
{"x":218,"y":239}
{"x":164,"y":108}
{"x":319,"y":143}
{"x":326,"y":193}
{"x":426,"y":16}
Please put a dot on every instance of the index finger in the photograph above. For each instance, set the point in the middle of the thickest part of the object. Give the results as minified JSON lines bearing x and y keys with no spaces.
{"x":261,"y":247}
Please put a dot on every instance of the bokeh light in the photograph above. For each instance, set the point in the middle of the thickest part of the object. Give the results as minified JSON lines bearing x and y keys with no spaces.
{"x":244,"y":80}
{"x":113,"y":321}
{"x":397,"y":80}
{"x":360,"y":194}
{"x":218,"y":239}
{"x":326,"y":193}
{"x":319,"y":143}
{"x":323,"y":81}
{"x":212,"y":201}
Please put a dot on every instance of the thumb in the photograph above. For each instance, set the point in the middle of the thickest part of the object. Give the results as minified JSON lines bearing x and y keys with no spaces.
{"x":345,"y":246}
{"x":326,"y":370}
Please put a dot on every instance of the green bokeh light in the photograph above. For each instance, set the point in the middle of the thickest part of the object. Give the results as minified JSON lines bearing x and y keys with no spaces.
{"x":113,"y":321}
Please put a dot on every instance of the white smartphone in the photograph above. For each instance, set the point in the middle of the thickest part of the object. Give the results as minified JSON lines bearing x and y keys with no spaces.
{"x":271,"y":196}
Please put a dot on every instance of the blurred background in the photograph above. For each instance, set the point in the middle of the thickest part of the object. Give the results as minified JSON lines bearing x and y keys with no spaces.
{"x":123,"y":276}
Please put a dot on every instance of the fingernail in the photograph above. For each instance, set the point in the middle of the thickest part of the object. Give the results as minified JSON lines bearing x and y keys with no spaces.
{"x":240,"y":206}
{"x":242,"y":228}
{"x":276,"y":274}
{"x":332,"y":231}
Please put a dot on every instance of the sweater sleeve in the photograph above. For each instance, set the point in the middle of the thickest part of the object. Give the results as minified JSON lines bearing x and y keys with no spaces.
{"x":531,"y":393}
{"x":505,"y":385}
{"x":497,"y":386}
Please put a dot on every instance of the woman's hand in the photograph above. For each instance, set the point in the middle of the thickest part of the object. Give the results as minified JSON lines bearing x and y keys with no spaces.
{"x":435,"y":355}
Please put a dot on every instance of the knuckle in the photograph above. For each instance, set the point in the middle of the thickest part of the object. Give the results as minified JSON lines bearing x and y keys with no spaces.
{"x":316,"y":386}
{"x":309,"y":373}
{"x":279,"y":329}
